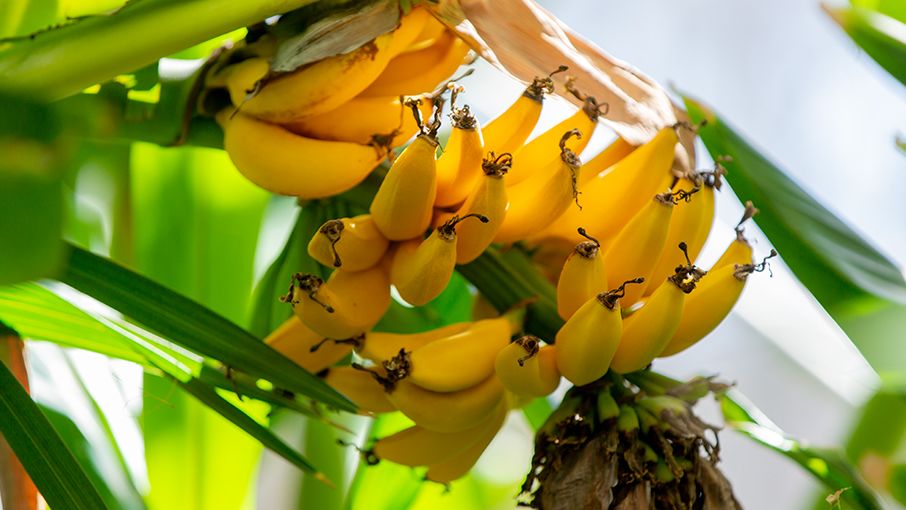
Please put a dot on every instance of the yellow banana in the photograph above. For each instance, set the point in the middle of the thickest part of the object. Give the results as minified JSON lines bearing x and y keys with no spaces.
{"x":361,"y":388}
{"x":605,"y":159}
{"x":649,"y":329}
{"x":321,"y":86}
{"x":403,"y":205}
{"x":509,"y":130}
{"x":410,"y":28}
{"x":379,"y":346}
{"x":710,"y":304}
{"x":422,"y":269}
{"x":686,"y":224}
{"x":527,"y":369}
{"x":429,"y":35}
{"x":447,"y":411}
{"x":636,"y":250}
{"x":739,"y":251}
{"x":287,"y":164}
{"x":460,"y":464}
{"x":353,"y":244}
{"x":459,"y":166}
{"x":488,"y":199}
{"x":418,"y":72}
{"x":382,"y":122}
{"x":535,"y":202}
{"x":587,"y":342}
{"x":539,"y":154}
{"x":366,"y":292}
{"x":582,"y":277}
{"x":242,"y":78}
{"x":308,"y":349}
{"x":613,"y":197}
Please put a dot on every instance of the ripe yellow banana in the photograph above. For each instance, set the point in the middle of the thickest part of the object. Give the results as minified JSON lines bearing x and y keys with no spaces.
{"x":409,"y":30}
{"x":637,"y":248}
{"x":422,"y":269}
{"x":459,"y":166}
{"x":527,"y":369}
{"x":447,"y":411}
{"x":739,"y":251}
{"x":288,"y":164}
{"x":379,"y":346}
{"x":308,"y":349}
{"x":686,"y":226}
{"x":587,"y":342}
{"x":488,"y":199}
{"x":459,"y":465}
{"x":509,"y":130}
{"x":429,"y":35}
{"x":242,"y":78}
{"x":418,"y":72}
{"x":321,"y":86}
{"x":649,"y":329}
{"x":361,"y":388}
{"x":403,"y":205}
{"x":459,"y":361}
{"x":353,"y":244}
{"x":535,"y":202}
{"x":710,"y":304}
{"x":582,"y":277}
{"x":378,"y":121}
{"x":613,"y":197}
{"x":605,"y":159}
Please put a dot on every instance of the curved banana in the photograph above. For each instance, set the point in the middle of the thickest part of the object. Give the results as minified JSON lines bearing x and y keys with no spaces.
{"x":462,"y":360}
{"x":353,"y":244}
{"x":582,"y":277}
{"x":488,"y":199}
{"x":361,"y":388}
{"x":306,"y":348}
{"x":636,"y":250}
{"x":649,"y":329}
{"x":613,"y":197}
{"x":459,"y":465}
{"x":381,"y":122}
{"x":605,"y":159}
{"x":535,"y":202}
{"x":288,"y":164}
{"x":409,"y":30}
{"x":447,"y":411}
{"x":429,"y":35}
{"x":459,"y":166}
{"x":509,"y":130}
{"x":687,"y":225}
{"x":242,"y":78}
{"x":403,"y":205}
{"x":422,"y":269}
{"x":527,"y":369}
{"x":587,"y":342}
{"x":366,"y":293}
{"x":379,"y":346}
{"x":419,"y":72}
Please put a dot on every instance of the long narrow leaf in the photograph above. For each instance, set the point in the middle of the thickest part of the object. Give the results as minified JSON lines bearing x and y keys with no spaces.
{"x":881,"y":36}
{"x":191,"y":325}
{"x":50,"y":464}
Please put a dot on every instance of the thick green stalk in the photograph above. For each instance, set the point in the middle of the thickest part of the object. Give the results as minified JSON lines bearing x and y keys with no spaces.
{"x":61,"y":62}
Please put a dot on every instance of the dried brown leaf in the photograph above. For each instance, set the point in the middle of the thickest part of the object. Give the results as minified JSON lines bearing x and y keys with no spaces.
{"x":585,"y":480}
{"x":638,"y":498}
{"x":716,"y":489}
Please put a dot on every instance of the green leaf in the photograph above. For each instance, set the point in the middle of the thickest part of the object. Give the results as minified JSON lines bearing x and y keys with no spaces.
{"x":830,"y":467}
{"x":537,"y":412}
{"x":882,"y":37}
{"x":191,"y":325}
{"x":48,"y":461}
{"x":896,"y":9}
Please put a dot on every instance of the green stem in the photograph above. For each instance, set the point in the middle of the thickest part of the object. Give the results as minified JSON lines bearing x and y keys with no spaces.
{"x":61,"y":62}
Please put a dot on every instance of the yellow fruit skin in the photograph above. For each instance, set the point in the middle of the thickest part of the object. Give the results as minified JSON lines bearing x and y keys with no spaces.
{"x":459,"y":465}
{"x":581,"y":279}
{"x":379,"y":346}
{"x":409,"y":29}
{"x":459,"y":166}
{"x":361,"y":388}
{"x":635,"y":251}
{"x":359,"y":300}
{"x":706,"y":308}
{"x":287,"y":164}
{"x":422,"y":269}
{"x":647,"y":331}
{"x":421,"y":71}
{"x":431,"y":32}
{"x":605,"y":159}
{"x":447,"y":412}
{"x":536,"y":377}
{"x":737,"y":252}
{"x":489,"y":199}
{"x":462,"y":360}
{"x":360,"y":246}
{"x":321,"y":86}
{"x":294,"y":340}
{"x":587,"y":342}
{"x":403,"y":205}
{"x":336,"y":324}
{"x":242,"y":78}
{"x":359,"y":119}
{"x":613,"y":197}
{"x":511,"y":129}
{"x":541,"y":152}
{"x":418,"y":446}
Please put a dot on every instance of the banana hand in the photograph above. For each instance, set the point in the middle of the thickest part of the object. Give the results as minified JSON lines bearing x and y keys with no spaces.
{"x":447,"y":412}
{"x":582,"y":278}
{"x":527,"y":369}
{"x":353,"y":244}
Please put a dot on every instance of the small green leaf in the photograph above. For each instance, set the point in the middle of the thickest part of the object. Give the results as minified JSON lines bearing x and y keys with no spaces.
{"x":191,"y":325}
{"x":537,"y":412}
{"x":48,"y":461}
{"x":896,"y":9}
{"x":882,"y":37}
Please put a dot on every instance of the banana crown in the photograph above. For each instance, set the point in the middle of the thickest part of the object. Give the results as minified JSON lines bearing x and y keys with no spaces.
{"x":542,"y":85}
{"x":744,"y":270}
{"x":497,"y":166}
{"x":308,"y":286}
{"x":686,"y":276}
{"x":590,"y":105}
